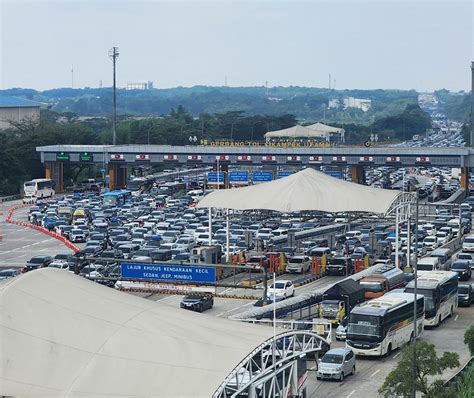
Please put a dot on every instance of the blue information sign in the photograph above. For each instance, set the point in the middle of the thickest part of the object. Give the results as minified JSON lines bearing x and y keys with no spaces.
{"x":262,"y":176}
{"x":214,"y":177}
{"x":283,"y":173}
{"x":168,"y":272}
{"x":236,"y":176}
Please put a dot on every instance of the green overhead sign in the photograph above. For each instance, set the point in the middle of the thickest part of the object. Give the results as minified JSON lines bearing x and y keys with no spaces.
{"x":85,"y":157}
{"x":62,"y":156}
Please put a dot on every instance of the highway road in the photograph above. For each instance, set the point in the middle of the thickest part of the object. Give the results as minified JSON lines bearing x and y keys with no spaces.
{"x":19,"y":244}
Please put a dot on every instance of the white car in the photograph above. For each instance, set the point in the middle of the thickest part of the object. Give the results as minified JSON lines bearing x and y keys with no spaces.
{"x":442,"y":238}
{"x":298,"y":264}
{"x":468,"y":244}
{"x":281,"y":289}
{"x":431,"y":242}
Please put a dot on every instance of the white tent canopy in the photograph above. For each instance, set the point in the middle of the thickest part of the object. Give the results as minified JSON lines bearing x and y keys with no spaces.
{"x":296,"y":132}
{"x":306,"y":190}
{"x":317,"y":130}
{"x":62,"y":335}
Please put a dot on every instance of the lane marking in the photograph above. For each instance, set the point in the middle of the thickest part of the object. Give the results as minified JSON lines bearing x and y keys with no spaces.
{"x":377,"y":371}
{"x":456,"y":318}
{"x":352,"y":392}
{"x":396,"y":355}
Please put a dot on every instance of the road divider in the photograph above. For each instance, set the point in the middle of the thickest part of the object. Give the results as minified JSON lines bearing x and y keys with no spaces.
{"x":9,"y":219}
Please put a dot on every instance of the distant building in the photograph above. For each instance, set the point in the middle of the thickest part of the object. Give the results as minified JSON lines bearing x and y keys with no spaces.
{"x":16,"y":110}
{"x":362,"y":104}
{"x":140,"y":86}
{"x":333,"y":103}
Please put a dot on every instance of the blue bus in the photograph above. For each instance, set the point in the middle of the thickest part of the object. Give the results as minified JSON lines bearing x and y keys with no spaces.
{"x":116,"y":198}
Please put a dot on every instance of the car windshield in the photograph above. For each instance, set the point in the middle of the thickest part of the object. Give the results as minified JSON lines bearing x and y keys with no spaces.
{"x":37,"y":260}
{"x":469,"y":240}
{"x":332,"y":358}
{"x":297,"y":260}
{"x":463,"y":289}
{"x":459,"y":266}
{"x":278,"y":285}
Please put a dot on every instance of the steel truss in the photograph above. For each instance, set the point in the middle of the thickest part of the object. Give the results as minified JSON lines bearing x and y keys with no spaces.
{"x":270,"y":370}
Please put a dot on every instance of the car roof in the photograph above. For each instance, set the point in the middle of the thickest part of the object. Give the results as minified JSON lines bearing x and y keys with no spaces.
{"x":339,"y":351}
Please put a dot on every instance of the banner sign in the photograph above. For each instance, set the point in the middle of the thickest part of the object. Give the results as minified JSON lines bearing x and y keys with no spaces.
{"x":168,"y":272}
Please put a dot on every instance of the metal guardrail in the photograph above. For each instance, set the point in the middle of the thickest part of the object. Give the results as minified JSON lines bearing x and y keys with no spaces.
{"x":9,"y":198}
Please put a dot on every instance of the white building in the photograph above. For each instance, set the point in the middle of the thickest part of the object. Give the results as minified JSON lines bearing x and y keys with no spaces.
{"x":140,"y":85}
{"x":359,"y":103}
{"x":18,"y":110}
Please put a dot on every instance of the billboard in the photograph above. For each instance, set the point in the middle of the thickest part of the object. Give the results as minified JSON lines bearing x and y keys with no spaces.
{"x":238,"y":177}
{"x":168,"y":272}
{"x":262,"y":176}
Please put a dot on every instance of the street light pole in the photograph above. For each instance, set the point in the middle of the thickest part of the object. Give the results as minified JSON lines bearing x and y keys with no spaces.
{"x":114,"y":54}
{"x":415,"y":271}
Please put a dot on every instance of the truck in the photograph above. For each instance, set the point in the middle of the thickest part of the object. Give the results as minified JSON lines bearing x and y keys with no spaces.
{"x":339,"y":299}
{"x":382,"y":280}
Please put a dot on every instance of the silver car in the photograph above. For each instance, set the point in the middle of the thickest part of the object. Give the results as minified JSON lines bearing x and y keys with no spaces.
{"x":336,"y":364}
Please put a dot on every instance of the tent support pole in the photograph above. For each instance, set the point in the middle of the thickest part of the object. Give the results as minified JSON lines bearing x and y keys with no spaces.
{"x":210,"y":226}
{"x":227,"y":236}
{"x":397,"y":237}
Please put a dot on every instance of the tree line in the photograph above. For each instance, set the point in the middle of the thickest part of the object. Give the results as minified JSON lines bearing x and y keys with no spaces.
{"x":20,"y":162}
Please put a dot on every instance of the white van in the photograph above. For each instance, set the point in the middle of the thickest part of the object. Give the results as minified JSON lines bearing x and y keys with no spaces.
{"x":354,"y":235}
{"x":428,"y":264}
{"x":429,"y":228}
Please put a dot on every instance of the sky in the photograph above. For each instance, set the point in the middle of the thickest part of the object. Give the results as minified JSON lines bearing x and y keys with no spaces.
{"x":417,"y":44}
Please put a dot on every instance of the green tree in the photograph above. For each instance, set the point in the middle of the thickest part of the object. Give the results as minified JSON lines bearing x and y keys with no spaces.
{"x":399,"y":382}
{"x":469,"y":339}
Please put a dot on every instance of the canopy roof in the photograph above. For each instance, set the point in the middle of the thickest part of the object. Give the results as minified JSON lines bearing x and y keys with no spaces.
{"x":63,"y":335}
{"x":306,"y":190}
{"x":325,"y":128}
{"x":296,"y":132}
{"x":317,"y":130}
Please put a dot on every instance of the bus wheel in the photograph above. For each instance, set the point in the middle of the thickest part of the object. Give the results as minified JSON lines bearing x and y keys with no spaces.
{"x":439,"y":321}
{"x":389,"y":349}
{"x":354,"y":370}
{"x":412,"y":338}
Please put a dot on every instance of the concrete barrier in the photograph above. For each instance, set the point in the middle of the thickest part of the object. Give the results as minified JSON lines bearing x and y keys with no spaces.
{"x":9,"y":219}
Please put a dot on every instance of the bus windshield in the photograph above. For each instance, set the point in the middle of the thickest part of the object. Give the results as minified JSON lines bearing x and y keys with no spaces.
{"x":110,"y":200}
{"x":363,"y":325}
{"x":372,"y":286}
{"x":429,"y":298}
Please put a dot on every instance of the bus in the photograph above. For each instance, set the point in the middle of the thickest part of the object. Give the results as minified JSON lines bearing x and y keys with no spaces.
{"x":37,"y":189}
{"x":116,"y":198}
{"x":440,"y":289}
{"x":378,"y":326}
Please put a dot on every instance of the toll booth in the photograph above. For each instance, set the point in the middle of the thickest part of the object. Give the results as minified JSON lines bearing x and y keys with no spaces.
{"x":206,"y":255}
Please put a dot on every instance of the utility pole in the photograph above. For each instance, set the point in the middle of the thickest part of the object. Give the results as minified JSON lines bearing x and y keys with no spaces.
{"x":72,"y":76}
{"x":113,"y":55}
{"x":472,"y":105}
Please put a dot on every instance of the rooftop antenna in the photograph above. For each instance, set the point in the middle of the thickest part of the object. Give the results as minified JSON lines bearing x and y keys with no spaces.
{"x":329,"y":81}
{"x":334,"y":85}
{"x":113,"y":55}
{"x":72,"y":76}
{"x":266,"y":88}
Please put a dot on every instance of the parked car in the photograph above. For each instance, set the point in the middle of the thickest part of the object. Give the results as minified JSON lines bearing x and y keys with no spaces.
{"x":336,"y":364}
{"x":197,"y":303}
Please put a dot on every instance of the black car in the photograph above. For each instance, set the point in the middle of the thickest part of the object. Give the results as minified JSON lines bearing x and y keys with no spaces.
{"x":465,"y":295}
{"x":197,"y":303}
{"x":37,"y":262}
{"x":463,"y":269}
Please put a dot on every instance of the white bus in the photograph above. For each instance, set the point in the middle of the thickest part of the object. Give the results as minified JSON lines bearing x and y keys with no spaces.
{"x":378,"y":326}
{"x":440,"y":289}
{"x":37,"y":189}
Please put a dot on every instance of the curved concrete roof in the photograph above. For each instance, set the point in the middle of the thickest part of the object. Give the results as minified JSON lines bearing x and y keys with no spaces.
{"x":62,"y":335}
